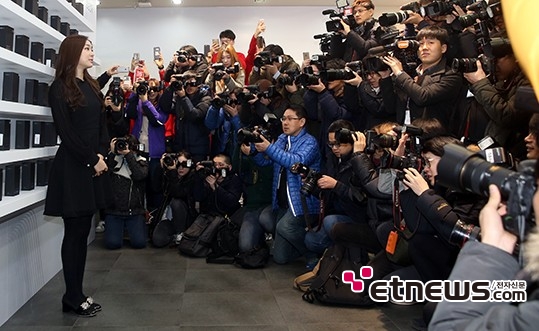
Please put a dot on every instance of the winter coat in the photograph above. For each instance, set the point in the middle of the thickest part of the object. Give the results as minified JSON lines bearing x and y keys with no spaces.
{"x":225,"y":200}
{"x":136,"y":109}
{"x":128,"y":191}
{"x":301,"y":148}
{"x":225,"y":129}
{"x":375,"y":112}
{"x":73,"y":191}
{"x":478,"y":261}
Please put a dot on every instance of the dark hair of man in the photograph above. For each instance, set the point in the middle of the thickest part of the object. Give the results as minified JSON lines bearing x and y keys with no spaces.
{"x":225,"y":157}
{"x":431,"y":127}
{"x":299,"y":110}
{"x":534,"y":126}
{"x":274,"y":49}
{"x":190,"y":49}
{"x":184,"y":153}
{"x":66,"y":71}
{"x":364,"y":3}
{"x":227,"y":34}
{"x":433,"y":32}
{"x":341,"y":124}
{"x":436,"y":145}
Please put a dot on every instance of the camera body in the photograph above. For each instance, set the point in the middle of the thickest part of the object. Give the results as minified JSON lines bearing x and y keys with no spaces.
{"x":334,"y":24}
{"x":287,"y":78}
{"x":441,"y":7}
{"x":307,"y":78}
{"x":324,"y":42}
{"x":170,"y":159}
{"x":404,"y":49}
{"x":223,"y":99}
{"x":221,"y":70}
{"x":209,"y":169}
{"x":263,"y":58}
{"x":115,"y":91}
{"x":269,"y":131}
{"x":375,"y":141}
{"x":121,"y":144}
{"x":310,"y":177}
{"x":142,"y":88}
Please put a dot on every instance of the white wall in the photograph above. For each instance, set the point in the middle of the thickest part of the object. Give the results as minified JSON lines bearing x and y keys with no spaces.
{"x":121,"y":32}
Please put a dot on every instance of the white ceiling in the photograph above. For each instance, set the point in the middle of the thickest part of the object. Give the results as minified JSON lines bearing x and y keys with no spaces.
{"x":235,"y":3}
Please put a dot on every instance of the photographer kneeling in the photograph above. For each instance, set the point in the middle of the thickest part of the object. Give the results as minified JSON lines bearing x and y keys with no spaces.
{"x":128,"y":181}
{"x":342,"y":202}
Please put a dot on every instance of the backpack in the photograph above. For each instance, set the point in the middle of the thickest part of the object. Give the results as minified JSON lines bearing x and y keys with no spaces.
{"x":255,"y":258}
{"x":327,"y":287}
{"x":197,"y":239}
{"x":225,"y":243}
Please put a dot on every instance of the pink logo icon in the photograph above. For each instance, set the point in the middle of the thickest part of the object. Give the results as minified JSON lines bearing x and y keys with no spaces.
{"x":349,"y":277}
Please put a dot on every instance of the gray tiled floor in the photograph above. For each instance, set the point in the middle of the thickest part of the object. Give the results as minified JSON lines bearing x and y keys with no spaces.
{"x":157,"y":289}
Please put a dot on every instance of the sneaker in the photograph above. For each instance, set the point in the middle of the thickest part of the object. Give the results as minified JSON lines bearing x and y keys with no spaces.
{"x":176,"y":238}
{"x":100,"y":228}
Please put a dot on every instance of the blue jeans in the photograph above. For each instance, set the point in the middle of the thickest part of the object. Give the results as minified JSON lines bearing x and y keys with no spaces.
{"x":114,"y":231}
{"x":289,"y":243}
{"x":318,"y":241}
{"x":256,"y":223}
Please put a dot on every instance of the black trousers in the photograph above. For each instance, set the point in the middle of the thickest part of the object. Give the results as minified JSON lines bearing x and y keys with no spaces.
{"x":74,"y":249}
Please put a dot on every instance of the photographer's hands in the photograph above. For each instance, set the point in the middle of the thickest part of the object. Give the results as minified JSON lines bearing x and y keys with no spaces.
{"x":414,"y":180}
{"x":262,"y":146}
{"x":360,"y":142}
{"x":393,"y":63}
{"x":474,"y":77}
{"x":490,"y":220}
{"x":326,"y":182}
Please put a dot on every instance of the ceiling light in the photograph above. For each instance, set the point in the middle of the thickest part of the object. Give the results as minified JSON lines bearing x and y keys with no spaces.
{"x":177,"y":2}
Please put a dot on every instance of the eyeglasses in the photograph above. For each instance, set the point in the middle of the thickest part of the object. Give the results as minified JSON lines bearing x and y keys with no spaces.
{"x":428,"y":161}
{"x":284,"y":118}
{"x":334,"y":145}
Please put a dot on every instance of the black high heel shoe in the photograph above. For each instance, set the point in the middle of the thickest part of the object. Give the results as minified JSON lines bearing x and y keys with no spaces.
{"x":97,"y":307}
{"x":84,"y":310}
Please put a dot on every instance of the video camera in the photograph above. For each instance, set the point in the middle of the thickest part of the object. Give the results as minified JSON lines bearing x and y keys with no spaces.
{"x":265,"y":57}
{"x":325,"y":41}
{"x":334,"y":24}
{"x":405,"y":50}
{"x":388,"y":19}
{"x":269,"y":131}
{"x":310,"y":177}
{"x":441,"y":7}
{"x":221,"y":70}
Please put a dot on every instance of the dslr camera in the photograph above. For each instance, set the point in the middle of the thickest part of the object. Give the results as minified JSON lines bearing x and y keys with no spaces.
{"x":443,"y":7}
{"x":142,"y":88}
{"x":269,"y":131}
{"x":115,"y":91}
{"x":223,"y":99}
{"x":263,"y":58}
{"x":170,"y":159}
{"x":310,"y":177}
{"x":221,"y":70}
{"x":405,"y":50}
{"x":124,"y":143}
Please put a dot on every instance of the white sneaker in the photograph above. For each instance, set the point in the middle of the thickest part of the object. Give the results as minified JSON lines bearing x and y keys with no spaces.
{"x":100,"y":228}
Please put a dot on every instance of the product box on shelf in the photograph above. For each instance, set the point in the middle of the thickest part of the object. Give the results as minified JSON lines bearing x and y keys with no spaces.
{"x":31,"y":6}
{"x":73,"y":32}
{"x":55,"y":22}
{"x":64,"y":28}
{"x":28,"y":175}
{"x":5,"y":134}
{"x":22,"y":44}
{"x":42,"y":172}
{"x":12,"y":185}
{"x":43,"y":94}
{"x":10,"y":88}
{"x":22,"y":134}
{"x":30,"y":91}
{"x":50,"y":57}
{"x":37,"y":134}
{"x":36,"y":51}
{"x":6,"y":37}
{"x":79,"y":7}
{"x":49,"y":134}
{"x":43,"y":14}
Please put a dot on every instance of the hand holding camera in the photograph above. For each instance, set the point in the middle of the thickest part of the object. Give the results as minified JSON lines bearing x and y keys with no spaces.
{"x":360,"y":142}
{"x":474,"y":77}
{"x":327,"y":182}
{"x":119,"y":146}
{"x":414,"y":180}
{"x":263,"y":145}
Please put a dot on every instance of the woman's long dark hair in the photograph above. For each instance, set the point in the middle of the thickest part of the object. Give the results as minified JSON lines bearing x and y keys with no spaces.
{"x":66,"y":70}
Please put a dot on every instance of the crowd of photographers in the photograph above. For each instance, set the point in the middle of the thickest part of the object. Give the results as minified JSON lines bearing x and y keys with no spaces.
{"x":345,"y":146}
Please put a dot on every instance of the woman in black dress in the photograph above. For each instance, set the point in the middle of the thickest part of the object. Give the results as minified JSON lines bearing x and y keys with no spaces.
{"x":78,"y":183}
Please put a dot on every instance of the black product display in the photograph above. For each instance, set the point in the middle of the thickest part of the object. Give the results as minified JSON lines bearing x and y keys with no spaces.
{"x":42,"y":94}
{"x":22,"y":44}
{"x":6,"y":37}
{"x":5,"y":134}
{"x":22,"y":134}
{"x":64,"y":28}
{"x":73,"y":32}
{"x":30,"y":91}
{"x":50,"y":138}
{"x":37,"y":134}
{"x":28,"y":174}
{"x":42,"y":172}
{"x":79,"y":7}
{"x":12,"y":185}
{"x":31,"y":6}
{"x":55,"y":22}
{"x":36,"y":51}
{"x":50,"y":56}
{"x":10,"y":88}
{"x":43,"y":14}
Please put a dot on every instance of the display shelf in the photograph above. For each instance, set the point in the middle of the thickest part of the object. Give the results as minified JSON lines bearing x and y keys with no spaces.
{"x":19,"y":155}
{"x":11,"y":61}
{"x":68,"y":13}
{"x":24,"y":23}
{"x":9,"y":205}
{"x":23,"y":110}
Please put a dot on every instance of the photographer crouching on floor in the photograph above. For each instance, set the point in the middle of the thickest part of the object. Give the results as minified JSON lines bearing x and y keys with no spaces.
{"x":128,"y":180}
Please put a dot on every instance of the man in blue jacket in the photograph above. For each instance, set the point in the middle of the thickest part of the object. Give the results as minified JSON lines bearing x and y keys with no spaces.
{"x":293,"y":146}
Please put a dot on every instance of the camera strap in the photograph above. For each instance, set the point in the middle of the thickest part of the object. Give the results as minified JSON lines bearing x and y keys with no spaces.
{"x":399,"y":223}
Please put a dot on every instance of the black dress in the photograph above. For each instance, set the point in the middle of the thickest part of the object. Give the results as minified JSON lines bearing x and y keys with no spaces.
{"x":73,"y":190}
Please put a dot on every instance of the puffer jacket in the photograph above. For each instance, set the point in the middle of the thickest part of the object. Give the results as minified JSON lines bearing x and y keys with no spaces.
{"x":301,"y":148}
